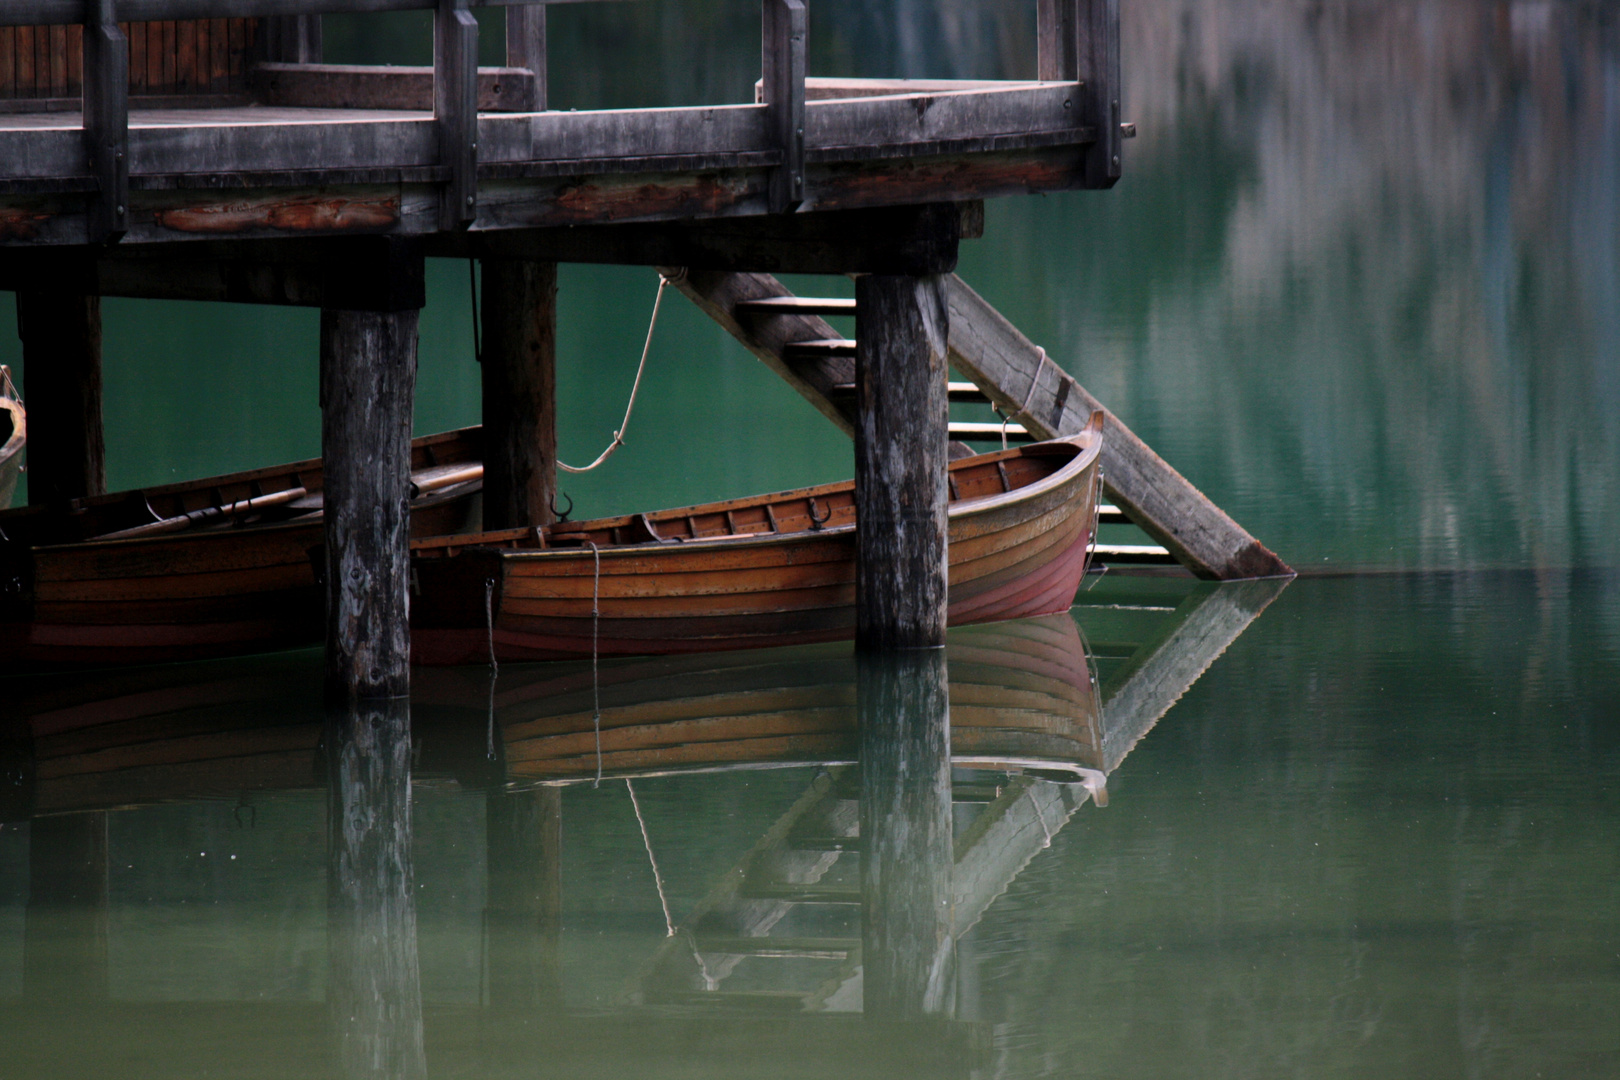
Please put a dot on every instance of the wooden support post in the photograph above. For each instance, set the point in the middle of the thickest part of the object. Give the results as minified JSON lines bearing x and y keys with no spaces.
{"x":526,"y":48}
{"x":903,"y":702}
{"x":900,"y":458}
{"x":65,"y":932}
{"x":1078,"y":41}
{"x":786,"y":27}
{"x":373,"y":987}
{"x":523,"y":909}
{"x":61,"y":338}
{"x":106,"y":120}
{"x":291,"y":39}
{"x":520,"y":392}
{"x":455,"y":110}
{"x":368,"y":379}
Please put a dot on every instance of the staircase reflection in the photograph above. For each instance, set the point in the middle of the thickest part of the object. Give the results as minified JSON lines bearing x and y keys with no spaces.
{"x":932,"y":784}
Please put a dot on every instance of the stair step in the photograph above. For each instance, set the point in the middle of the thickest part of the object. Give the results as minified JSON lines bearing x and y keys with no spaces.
{"x":1111,"y":515}
{"x":1133,"y":554}
{"x":802,"y":894}
{"x":824,"y":843}
{"x":818,"y":348}
{"x":795,"y":305}
{"x":750,"y":1000}
{"x":990,"y":433}
{"x":957,"y":391}
{"x":975,"y":793}
{"x":781,"y":948}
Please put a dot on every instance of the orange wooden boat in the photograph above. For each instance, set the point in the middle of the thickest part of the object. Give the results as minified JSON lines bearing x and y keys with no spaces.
{"x":210,"y":567}
{"x":769,"y":570}
{"x":13,"y":437}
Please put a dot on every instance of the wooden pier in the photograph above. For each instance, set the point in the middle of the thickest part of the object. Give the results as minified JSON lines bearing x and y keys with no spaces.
{"x":198,"y":149}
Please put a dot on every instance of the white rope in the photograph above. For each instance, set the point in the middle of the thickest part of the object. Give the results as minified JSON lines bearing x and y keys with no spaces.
{"x":596,"y":683}
{"x":658,"y":878}
{"x":624,"y":425}
{"x":494,"y":668}
{"x":7,"y":387}
{"x":1023,"y":410}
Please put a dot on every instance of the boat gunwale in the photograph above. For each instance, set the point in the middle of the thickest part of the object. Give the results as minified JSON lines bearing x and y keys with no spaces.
{"x":1086,"y":443}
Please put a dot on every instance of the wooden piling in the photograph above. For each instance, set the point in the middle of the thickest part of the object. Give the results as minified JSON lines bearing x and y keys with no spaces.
{"x":368,"y":380}
{"x":523,"y":909}
{"x":61,"y":339}
{"x":900,"y":459}
{"x":519,"y":365}
{"x":903,"y":702}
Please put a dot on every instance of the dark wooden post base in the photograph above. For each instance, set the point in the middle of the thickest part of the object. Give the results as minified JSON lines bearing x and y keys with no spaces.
{"x":524,"y":900}
{"x":373,"y":989}
{"x":520,"y":392}
{"x":368,"y":376}
{"x":906,"y":850}
{"x":61,"y":338}
{"x":901,"y":432}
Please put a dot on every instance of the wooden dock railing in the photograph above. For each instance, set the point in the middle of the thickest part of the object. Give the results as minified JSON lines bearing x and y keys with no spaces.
{"x":788,"y":136}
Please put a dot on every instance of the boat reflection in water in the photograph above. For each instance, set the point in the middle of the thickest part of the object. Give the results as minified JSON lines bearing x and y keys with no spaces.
{"x":929,"y":782}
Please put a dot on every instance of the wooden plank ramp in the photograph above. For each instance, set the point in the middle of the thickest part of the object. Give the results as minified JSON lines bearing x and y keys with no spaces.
{"x":789,"y":334}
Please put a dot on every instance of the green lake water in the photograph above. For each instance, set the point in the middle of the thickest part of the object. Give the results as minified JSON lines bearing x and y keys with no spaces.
{"x":1360,"y":283}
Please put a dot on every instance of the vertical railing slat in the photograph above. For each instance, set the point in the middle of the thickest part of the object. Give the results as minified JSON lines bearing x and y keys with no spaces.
{"x":526,"y":47}
{"x":1078,"y":41}
{"x":106,"y":120}
{"x":455,"y":109}
{"x":786,"y":28}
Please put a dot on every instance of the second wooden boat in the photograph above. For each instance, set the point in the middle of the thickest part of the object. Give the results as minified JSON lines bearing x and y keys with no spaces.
{"x":764,"y":571}
{"x":213,"y":567}
{"x":13,"y":437}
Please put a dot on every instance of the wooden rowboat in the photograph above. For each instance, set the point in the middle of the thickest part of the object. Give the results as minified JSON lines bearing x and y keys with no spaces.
{"x":764,"y":571}
{"x":205,"y":568}
{"x":13,"y":437}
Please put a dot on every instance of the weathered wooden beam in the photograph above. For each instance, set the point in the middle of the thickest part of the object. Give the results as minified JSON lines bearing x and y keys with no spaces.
{"x":901,"y":327}
{"x":106,"y":120}
{"x":1204,"y":624}
{"x":519,"y":370}
{"x":526,"y":48}
{"x":65,"y":924}
{"x":368,"y":379}
{"x":1007,"y":366}
{"x":786,"y":26}
{"x":59,"y":12}
{"x":61,"y":340}
{"x":1078,"y":41}
{"x":907,"y":930}
{"x":365,"y":86}
{"x":455,"y":110}
{"x":373,"y":986}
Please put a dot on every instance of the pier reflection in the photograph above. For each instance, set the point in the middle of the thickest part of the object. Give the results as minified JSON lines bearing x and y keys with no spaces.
{"x":845,"y":823}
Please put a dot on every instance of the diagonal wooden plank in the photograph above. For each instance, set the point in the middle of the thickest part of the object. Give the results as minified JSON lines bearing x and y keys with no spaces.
{"x":991,"y":352}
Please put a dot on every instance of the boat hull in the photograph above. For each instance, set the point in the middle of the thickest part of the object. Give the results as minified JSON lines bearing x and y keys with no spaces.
{"x":1008,"y":557}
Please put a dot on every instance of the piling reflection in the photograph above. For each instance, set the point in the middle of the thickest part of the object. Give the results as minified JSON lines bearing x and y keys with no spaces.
{"x":905,"y":816}
{"x":373,"y":988}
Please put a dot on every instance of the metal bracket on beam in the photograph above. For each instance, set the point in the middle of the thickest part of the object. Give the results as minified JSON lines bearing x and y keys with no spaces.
{"x":786,"y":26}
{"x":455,"y":110}
{"x":1078,"y":41}
{"x":106,"y":120}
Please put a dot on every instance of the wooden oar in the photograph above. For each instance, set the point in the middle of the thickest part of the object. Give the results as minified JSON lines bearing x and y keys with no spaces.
{"x":422,"y":483}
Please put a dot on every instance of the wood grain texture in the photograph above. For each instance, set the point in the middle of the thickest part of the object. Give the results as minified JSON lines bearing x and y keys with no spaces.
{"x":526,"y":49}
{"x":61,"y":338}
{"x":368,"y":378}
{"x":519,"y":373}
{"x":991,"y":352}
{"x":355,"y":86}
{"x":902,"y":415}
{"x":907,"y":920}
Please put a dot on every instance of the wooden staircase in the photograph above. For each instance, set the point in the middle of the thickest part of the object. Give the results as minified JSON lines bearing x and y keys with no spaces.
{"x":790,"y":335}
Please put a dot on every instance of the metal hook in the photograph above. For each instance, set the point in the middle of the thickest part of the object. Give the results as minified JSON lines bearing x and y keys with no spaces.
{"x":817,"y":521}
{"x":562,"y":515}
